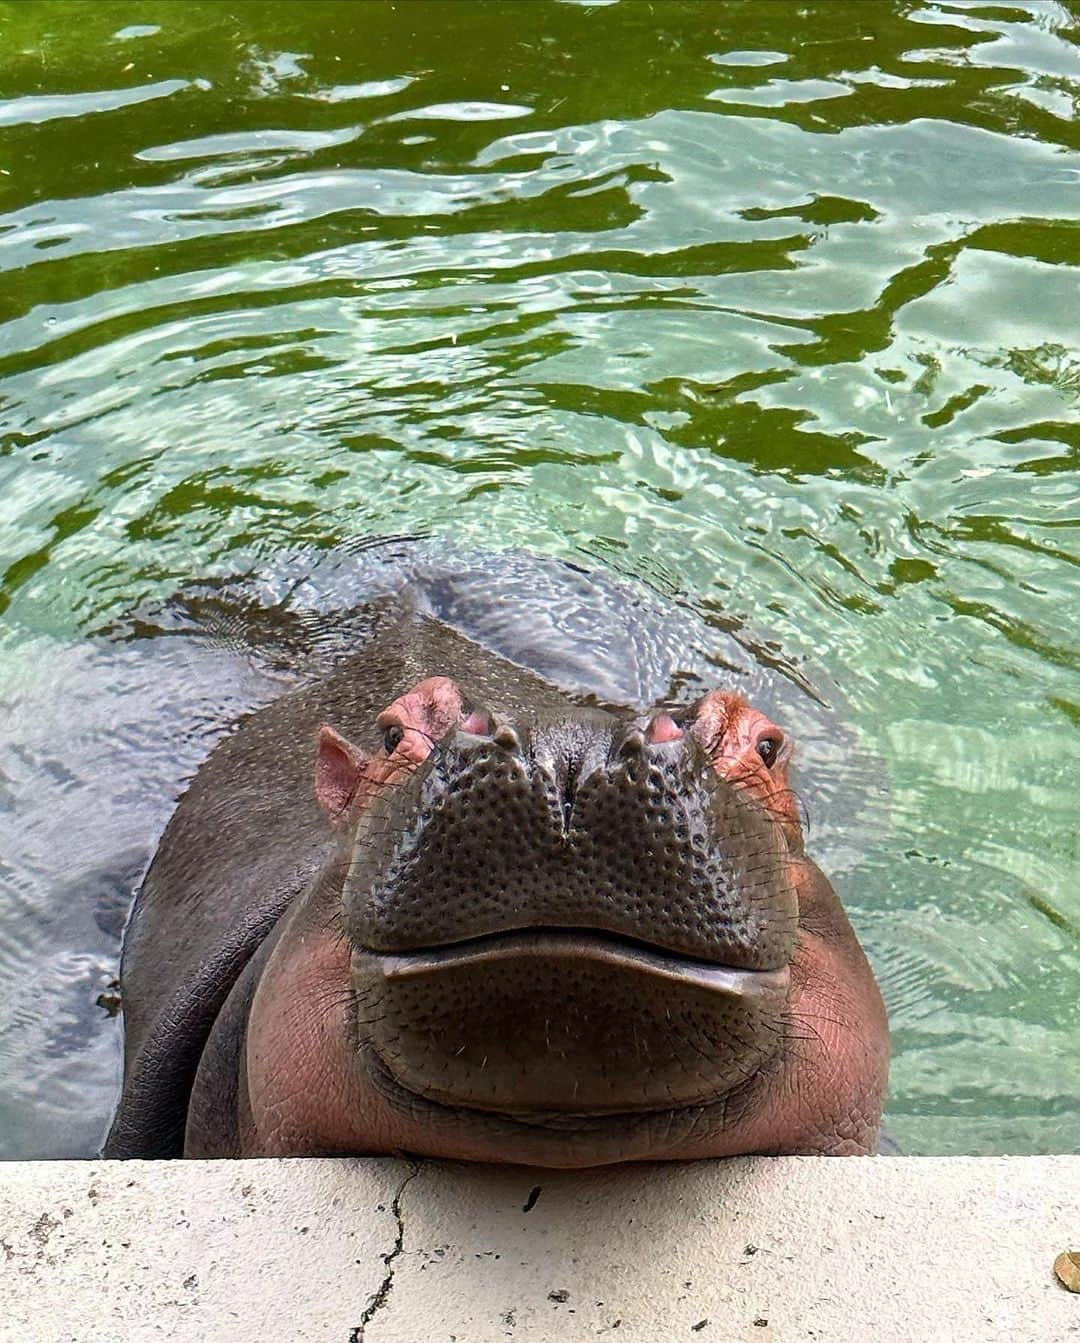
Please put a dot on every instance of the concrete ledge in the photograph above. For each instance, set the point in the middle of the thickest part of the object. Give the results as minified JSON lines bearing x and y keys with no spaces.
{"x":370,"y":1250}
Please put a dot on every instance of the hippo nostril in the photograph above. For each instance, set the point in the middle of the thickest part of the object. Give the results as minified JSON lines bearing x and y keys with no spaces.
{"x":633,"y":744}
{"x":663,"y":728}
{"x":507,"y":738}
{"x":479,"y":723}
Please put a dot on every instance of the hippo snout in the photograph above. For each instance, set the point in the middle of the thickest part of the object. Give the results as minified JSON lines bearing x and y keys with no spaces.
{"x":542,"y":908}
{"x":579,"y":823}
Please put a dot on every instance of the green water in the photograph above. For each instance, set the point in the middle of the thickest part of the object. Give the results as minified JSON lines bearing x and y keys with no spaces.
{"x":777,"y":302}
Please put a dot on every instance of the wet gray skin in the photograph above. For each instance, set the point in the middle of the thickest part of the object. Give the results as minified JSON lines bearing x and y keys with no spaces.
{"x":560,"y":935}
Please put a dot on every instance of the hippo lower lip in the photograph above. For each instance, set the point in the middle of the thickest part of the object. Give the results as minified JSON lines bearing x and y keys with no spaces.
{"x":584,"y":945}
{"x":569,"y":1019}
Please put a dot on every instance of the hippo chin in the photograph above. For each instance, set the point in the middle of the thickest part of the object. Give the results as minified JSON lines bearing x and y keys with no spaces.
{"x":435,"y":903}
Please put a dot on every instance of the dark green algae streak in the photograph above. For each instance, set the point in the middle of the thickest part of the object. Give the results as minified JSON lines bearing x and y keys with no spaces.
{"x":776,"y":304}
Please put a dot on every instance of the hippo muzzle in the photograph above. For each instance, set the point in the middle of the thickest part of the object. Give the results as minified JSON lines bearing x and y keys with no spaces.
{"x":579,"y":916}
{"x":563,"y":939}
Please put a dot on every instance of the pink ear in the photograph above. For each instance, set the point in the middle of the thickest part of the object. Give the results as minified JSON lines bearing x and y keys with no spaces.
{"x":339,"y":767}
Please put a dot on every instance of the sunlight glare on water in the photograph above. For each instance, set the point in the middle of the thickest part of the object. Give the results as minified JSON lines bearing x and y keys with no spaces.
{"x":778,"y":301}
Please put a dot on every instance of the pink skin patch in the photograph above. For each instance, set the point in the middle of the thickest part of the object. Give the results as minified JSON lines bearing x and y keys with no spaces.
{"x":427,"y":713}
{"x":339,"y":768}
{"x":663,"y":728}
{"x":346,"y":778}
{"x":747,"y":748}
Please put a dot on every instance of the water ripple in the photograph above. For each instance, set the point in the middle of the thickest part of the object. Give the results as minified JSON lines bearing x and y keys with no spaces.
{"x":776,"y":302}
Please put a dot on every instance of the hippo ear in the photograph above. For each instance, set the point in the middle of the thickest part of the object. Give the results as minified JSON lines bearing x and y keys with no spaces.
{"x":339,"y":767}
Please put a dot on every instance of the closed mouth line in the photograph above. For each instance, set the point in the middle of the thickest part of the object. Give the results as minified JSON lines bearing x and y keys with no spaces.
{"x":584,"y":944}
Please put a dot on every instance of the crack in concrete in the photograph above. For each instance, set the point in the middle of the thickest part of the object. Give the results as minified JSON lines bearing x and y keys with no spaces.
{"x":379,"y":1298}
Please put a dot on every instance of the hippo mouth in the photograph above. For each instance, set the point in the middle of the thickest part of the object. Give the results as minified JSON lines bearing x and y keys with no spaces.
{"x":583,"y":946}
{"x":565,"y":1021}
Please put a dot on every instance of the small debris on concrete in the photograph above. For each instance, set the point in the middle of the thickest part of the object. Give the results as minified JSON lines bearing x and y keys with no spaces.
{"x":530,"y":1202}
{"x":1067,"y":1268}
{"x":43,"y":1228}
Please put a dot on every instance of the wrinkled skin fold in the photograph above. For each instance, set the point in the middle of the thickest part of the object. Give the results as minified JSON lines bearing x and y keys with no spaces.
{"x":435,"y":903}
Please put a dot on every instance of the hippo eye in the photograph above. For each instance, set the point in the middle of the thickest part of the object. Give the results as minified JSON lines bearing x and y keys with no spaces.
{"x":392,"y":738}
{"x":769,"y":748}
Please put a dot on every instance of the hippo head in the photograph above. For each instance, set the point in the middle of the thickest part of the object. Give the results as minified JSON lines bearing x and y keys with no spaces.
{"x":581,"y":938}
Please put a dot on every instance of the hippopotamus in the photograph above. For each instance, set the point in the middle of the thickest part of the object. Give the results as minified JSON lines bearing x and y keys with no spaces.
{"x":453,"y":897}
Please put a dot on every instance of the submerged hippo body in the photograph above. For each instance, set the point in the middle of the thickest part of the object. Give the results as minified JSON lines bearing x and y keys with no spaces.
{"x":433,"y":901}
